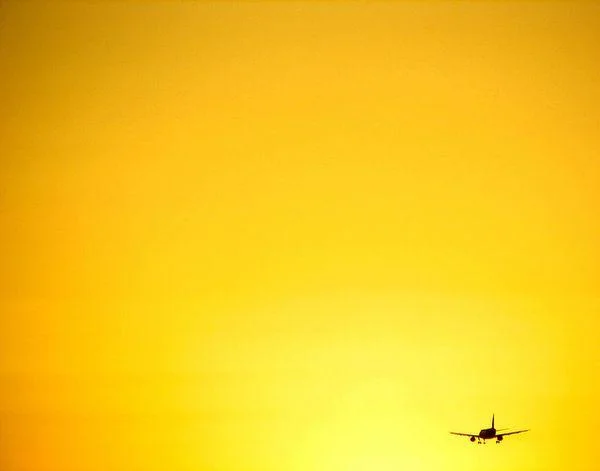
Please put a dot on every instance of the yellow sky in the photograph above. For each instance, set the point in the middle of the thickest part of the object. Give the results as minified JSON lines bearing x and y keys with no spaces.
{"x":304,"y":236}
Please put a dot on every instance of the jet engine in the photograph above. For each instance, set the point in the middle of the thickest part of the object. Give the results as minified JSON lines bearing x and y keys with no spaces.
{"x":500,"y":438}
{"x":472,"y":439}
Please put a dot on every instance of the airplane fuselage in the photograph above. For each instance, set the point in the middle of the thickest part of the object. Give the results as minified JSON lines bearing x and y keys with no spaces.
{"x":487,"y":433}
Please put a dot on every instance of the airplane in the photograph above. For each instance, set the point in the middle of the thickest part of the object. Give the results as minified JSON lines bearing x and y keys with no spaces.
{"x":488,"y":434}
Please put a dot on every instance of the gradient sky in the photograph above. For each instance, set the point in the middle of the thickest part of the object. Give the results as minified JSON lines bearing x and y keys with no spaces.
{"x":304,"y":236}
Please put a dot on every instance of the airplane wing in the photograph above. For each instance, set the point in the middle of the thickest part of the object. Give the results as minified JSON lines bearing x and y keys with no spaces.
{"x":464,"y":434}
{"x":511,"y":433}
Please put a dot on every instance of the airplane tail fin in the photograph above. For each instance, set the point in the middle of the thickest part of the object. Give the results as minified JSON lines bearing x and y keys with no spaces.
{"x":492,"y":420}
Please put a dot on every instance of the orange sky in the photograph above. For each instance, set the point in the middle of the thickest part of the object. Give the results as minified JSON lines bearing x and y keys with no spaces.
{"x":304,"y":236}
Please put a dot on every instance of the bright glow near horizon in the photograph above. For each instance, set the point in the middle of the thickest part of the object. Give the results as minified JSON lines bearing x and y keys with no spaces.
{"x":302,"y":236}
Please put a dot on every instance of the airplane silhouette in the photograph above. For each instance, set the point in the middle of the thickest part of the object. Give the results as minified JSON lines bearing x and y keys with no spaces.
{"x":488,"y":434}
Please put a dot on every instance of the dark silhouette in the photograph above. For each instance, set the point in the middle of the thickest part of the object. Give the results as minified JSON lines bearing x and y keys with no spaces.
{"x":488,"y":433}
